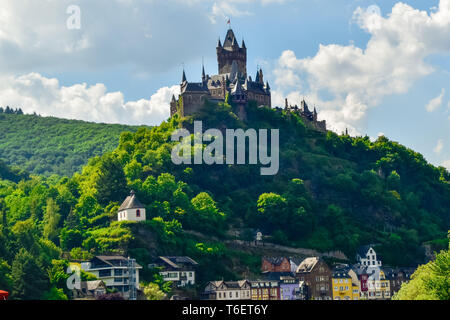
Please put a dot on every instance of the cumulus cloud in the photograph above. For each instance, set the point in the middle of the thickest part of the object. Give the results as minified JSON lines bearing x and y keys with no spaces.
{"x":436,"y":102}
{"x":36,"y":93}
{"x":355,"y":79}
{"x":35,"y":37}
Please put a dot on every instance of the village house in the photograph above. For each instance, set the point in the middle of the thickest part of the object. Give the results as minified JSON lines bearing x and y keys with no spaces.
{"x":397,"y":277}
{"x":265,"y":290}
{"x":89,"y":290}
{"x":178,"y":269}
{"x":275,"y":264}
{"x":317,"y":276}
{"x":343,"y":286}
{"x":227,"y":290}
{"x":367,"y":256}
{"x":292,"y":289}
{"x":117,"y":272}
{"x":362,"y":275}
{"x":379,"y":285}
{"x":131,"y":209}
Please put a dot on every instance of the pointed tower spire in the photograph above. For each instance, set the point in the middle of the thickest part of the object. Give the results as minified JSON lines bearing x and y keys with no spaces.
{"x":267,"y":86}
{"x":243,"y":44}
{"x":219,"y":44}
{"x":183,"y":78}
{"x":261,"y":76}
{"x":257,"y":80}
{"x":203,"y":71}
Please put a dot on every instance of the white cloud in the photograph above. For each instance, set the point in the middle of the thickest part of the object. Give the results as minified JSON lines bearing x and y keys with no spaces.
{"x":439,"y":147}
{"x":436,"y":102}
{"x":35,"y":38}
{"x":35,"y":93}
{"x":446,"y":164}
{"x":356,"y":79}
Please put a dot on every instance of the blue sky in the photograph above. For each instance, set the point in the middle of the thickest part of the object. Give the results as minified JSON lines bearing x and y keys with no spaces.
{"x":372,"y":74}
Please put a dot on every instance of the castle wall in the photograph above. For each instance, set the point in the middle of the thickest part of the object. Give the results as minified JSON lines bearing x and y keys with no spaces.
{"x":193,"y":102}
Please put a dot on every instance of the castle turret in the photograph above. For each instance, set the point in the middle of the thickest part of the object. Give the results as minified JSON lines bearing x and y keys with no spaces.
{"x":229,"y":52}
{"x":203,"y":74}
{"x":183,"y":77}
{"x":261,"y":76}
{"x":239,"y":97}
{"x":173,"y":106}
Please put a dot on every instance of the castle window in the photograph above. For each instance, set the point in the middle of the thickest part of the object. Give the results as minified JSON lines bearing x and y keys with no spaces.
{"x":138,"y":213}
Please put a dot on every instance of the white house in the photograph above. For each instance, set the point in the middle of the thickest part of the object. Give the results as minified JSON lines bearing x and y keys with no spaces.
{"x":116,"y":272}
{"x":179,"y":270}
{"x":131,"y":209}
{"x":228,"y":290}
{"x":367,"y":257}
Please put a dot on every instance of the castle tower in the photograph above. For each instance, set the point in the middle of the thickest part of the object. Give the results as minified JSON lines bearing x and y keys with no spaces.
{"x":229,"y":52}
{"x":239,"y":97}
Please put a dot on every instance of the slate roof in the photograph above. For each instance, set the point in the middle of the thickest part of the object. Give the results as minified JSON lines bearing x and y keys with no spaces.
{"x":92,"y":285}
{"x":255,"y":87}
{"x":230,"y":39}
{"x":113,"y":260}
{"x":271,"y":276}
{"x":276,"y":261}
{"x":362,"y":250}
{"x":237,"y":90}
{"x":295,"y":260}
{"x":230,"y":284}
{"x":194,"y":87}
{"x":178,"y":262}
{"x":359,"y":269}
{"x":341,"y":272}
{"x":131,"y":202}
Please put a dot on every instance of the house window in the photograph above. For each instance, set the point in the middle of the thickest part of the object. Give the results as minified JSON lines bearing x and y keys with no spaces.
{"x":104,"y":273}
{"x":138,"y":213}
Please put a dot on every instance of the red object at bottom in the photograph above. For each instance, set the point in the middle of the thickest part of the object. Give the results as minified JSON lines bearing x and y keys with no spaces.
{"x":4,"y":295}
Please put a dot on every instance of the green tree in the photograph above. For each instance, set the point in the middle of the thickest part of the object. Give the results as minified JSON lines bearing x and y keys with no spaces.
{"x":153,"y":292}
{"x":429,"y":282}
{"x":5,"y":275}
{"x":51,"y":220}
{"x":111,"y":183}
{"x":29,"y":280}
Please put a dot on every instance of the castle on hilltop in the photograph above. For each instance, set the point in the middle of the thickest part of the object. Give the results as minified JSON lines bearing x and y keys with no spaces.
{"x":232,"y":80}
{"x":306,"y":114}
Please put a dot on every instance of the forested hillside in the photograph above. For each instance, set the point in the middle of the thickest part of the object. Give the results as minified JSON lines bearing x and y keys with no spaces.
{"x":46,"y":145}
{"x":332,"y":193}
